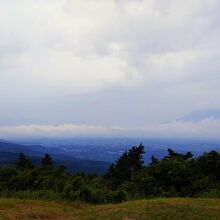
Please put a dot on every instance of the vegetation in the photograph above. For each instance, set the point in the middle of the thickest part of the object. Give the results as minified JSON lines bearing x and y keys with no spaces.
{"x":176,"y":175}
{"x":156,"y":209}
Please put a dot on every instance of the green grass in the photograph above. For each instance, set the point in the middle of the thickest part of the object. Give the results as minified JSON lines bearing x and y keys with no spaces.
{"x":33,"y":195}
{"x":176,"y":208}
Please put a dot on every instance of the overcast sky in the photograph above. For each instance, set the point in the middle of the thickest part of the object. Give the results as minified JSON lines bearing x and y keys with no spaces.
{"x":107,"y":64}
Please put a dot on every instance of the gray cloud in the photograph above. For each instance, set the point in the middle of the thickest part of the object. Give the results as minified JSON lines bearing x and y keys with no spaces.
{"x":107,"y":63}
{"x":206,"y":129}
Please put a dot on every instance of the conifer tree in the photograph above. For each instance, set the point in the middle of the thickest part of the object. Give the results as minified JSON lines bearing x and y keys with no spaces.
{"x":47,"y":162}
{"x":23,"y":163}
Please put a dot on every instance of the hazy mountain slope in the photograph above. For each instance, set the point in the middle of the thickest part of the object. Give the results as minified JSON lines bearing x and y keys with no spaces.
{"x":10,"y":151}
{"x":201,"y":115}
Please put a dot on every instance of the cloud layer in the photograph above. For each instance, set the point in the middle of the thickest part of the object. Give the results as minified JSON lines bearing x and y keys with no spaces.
{"x":206,"y":129}
{"x":108,"y":63}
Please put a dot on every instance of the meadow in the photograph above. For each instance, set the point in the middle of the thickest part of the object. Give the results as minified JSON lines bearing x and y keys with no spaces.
{"x":172,"y":208}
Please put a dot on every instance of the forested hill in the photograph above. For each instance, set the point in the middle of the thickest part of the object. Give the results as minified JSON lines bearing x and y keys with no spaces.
{"x":9,"y":153}
{"x":175,"y":175}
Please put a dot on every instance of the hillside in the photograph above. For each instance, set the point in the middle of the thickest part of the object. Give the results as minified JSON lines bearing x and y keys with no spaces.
{"x":143,"y":209}
{"x":201,"y":115}
{"x":9,"y":153}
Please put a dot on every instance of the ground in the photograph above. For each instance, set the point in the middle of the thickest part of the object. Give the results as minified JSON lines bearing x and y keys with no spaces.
{"x":169,"y":209}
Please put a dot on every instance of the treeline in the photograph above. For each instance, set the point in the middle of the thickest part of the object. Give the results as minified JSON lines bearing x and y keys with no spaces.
{"x":176,"y":175}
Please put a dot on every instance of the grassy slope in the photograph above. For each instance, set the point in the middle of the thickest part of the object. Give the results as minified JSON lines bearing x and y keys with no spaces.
{"x":143,"y":209}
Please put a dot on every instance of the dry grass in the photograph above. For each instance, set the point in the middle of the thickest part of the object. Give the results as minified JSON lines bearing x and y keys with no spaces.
{"x":137,"y":210}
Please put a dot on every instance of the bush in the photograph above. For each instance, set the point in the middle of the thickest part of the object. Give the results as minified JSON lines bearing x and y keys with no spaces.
{"x":41,"y":195}
{"x":120,"y":196}
{"x":212,"y":193}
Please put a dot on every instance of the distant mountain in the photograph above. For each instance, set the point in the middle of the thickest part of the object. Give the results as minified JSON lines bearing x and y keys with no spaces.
{"x":201,"y":115}
{"x":10,"y":151}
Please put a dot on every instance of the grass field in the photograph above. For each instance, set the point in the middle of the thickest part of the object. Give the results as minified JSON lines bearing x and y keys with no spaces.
{"x":143,"y":209}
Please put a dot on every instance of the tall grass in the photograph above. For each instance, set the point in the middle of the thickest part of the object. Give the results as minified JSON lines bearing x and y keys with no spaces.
{"x":34,"y":195}
{"x":214,"y":193}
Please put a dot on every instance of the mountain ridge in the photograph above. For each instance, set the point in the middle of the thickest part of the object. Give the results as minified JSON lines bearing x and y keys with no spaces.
{"x":10,"y":151}
{"x":201,"y":115}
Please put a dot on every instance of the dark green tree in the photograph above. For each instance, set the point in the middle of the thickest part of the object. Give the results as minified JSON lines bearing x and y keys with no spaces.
{"x":127,"y":166}
{"x":109,"y":176}
{"x":209,"y":165}
{"x":23,"y":163}
{"x":135,"y":158}
{"x":154,"y":160}
{"x":186,"y":156}
{"x":47,"y":162}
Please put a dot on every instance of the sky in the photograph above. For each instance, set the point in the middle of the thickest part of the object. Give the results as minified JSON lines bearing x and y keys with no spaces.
{"x":114,"y":67}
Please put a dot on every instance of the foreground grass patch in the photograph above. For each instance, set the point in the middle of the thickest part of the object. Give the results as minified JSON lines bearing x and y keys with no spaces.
{"x":136,"y":210}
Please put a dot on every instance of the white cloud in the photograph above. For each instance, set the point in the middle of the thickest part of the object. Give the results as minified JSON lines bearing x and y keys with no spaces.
{"x":162,"y":50}
{"x":65,"y":43}
{"x":206,"y":129}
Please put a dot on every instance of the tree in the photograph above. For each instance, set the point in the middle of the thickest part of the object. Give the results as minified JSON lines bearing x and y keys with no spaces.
{"x":135,"y":159}
{"x":172,"y":174}
{"x":109,"y":176}
{"x":127,"y":166}
{"x":154,"y":160}
{"x":186,"y":156}
{"x":47,"y":162}
{"x":209,"y":164}
{"x":23,"y":163}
